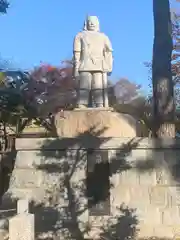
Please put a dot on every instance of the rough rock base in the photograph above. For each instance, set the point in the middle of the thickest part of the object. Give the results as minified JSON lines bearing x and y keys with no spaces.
{"x":102,"y":120}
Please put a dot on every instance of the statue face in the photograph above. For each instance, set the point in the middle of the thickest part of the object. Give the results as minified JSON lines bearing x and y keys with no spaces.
{"x":92,"y":23}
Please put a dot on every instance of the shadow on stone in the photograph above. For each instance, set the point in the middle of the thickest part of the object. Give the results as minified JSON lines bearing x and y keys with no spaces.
{"x":69,"y":224}
{"x":125,"y":226}
{"x":7,"y":165}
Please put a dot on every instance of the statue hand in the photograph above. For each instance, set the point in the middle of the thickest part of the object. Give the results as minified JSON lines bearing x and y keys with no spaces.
{"x":76,"y":73}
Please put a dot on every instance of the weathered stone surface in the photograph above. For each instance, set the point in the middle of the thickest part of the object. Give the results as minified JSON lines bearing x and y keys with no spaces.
{"x":53,"y":180}
{"x":4,"y":235}
{"x":159,"y":196}
{"x":148,"y":215}
{"x":22,"y":206}
{"x":162,"y":176}
{"x":110,"y":143}
{"x":171,"y":216}
{"x":147,"y":178}
{"x":139,"y":195}
{"x":114,"y":180}
{"x":119,"y":195}
{"x":129,"y":177}
{"x":138,"y":175}
{"x":164,"y":231}
{"x":138,"y":154}
{"x":26,"y":178}
{"x":174,"y":199}
{"x":30,"y":160}
{"x":176,"y":231}
{"x":97,"y":124}
{"x":32,"y":194}
{"x":21,"y":227}
{"x":145,"y":231}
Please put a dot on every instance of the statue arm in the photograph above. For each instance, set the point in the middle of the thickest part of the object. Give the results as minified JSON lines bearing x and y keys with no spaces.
{"x":108,"y":45}
{"x":108,"y":53}
{"x":77,"y":53}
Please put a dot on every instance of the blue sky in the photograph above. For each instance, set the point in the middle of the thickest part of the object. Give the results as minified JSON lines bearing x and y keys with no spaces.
{"x":43,"y":30}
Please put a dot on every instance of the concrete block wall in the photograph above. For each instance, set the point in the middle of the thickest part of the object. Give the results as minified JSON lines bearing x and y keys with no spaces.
{"x":144,"y":194}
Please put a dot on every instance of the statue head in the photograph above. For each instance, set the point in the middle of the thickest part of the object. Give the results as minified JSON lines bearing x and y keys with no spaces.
{"x":91,"y":24}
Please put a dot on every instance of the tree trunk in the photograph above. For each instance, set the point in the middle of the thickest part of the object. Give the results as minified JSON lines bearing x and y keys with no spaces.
{"x":163,"y":93}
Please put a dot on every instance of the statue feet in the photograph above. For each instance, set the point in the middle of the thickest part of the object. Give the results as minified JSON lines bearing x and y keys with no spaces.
{"x":99,"y":105}
{"x":82,"y":106}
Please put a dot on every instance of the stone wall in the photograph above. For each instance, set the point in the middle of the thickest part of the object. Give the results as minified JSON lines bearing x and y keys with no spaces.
{"x":144,"y":186}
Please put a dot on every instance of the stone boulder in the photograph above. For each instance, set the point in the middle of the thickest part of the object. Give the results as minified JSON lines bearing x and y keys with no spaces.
{"x":107,"y":123}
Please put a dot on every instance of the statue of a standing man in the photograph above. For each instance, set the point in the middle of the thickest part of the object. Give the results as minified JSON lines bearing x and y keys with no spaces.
{"x":92,"y":62}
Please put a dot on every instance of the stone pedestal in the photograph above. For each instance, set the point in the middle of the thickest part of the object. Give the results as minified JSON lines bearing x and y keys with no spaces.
{"x":3,"y":235}
{"x":103,"y":122}
{"x":21,"y":226}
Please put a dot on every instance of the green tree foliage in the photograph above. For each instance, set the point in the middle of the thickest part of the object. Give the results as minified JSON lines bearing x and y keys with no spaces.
{"x":4,"y":5}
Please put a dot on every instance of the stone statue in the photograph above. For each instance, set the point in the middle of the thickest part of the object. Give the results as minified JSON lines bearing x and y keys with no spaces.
{"x":92,"y":62}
